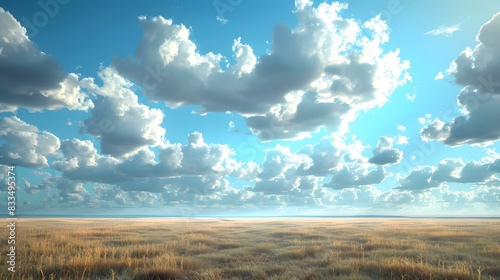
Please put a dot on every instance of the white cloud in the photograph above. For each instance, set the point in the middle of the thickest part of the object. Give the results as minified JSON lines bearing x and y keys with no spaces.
{"x":439,"y":76}
{"x":402,"y":140}
{"x":395,"y":200}
{"x":435,"y":130}
{"x":198,"y":193}
{"x":278,"y":160}
{"x":82,"y":162}
{"x":320,"y":74}
{"x":359,"y":176}
{"x":478,"y":71}
{"x":245,"y":59}
{"x":276,"y":186}
{"x":317,"y":75}
{"x":325,"y":156}
{"x":358,"y":197}
{"x":32,"y":79}
{"x":108,"y":195}
{"x":201,"y":158}
{"x":45,"y":185}
{"x":456,"y":198}
{"x":281,"y":179}
{"x":490,"y":195}
{"x":444,"y":30}
{"x":222,"y":20}
{"x":419,"y":179}
{"x":25,"y":145}
{"x":122,"y":125}
{"x":449,"y":170}
{"x":69,"y":192}
{"x":411,"y":97}
{"x":384,"y":153}
{"x":353,"y":169}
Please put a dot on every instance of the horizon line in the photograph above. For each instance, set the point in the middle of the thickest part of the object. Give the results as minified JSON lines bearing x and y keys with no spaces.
{"x":242,"y":216}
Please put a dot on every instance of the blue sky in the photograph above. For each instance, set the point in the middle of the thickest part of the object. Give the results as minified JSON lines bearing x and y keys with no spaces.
{"x":250,"y":108}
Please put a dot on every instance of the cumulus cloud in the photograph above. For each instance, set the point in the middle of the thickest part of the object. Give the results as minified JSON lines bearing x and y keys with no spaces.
{"x":279,"y":160}
{"x":352,"y":79}
{"x":276,"y":186}
{"x":68,"y":191}
{"x":25,"y":145}
{"x":142,"y":199}
{"x":42,"y":186}
{"x":202,"y":158}
{"x":316,"y":75}
{"x":182,"y":174}
{"x":384,"y":154}
{"x":279,"y":180}
{"x":32,"y":79}
{"x":347,"y":178}
{"x":402,"y":140}
{"x":439,"y":76}
{"x":435,"y":130}
{"x":194,"y":190}
{"x":354,"y":169}
{"x":122,"y":125}
{"x":82,"y":162}
{"x":474,"y":172}
{"x":365,"y":196}
{"x":495,"y":166}
{"x":326,"y":155}
{"x":449,"y":170}
{"x":419,"y":179}
{"x":370,"y":198}
{"x":294,"y":121}
{"x":478,"y":71}
{"x":108,"y":195}
{"x":5,"y":170}
{"x":291,"y":190}
{"x":284,"y":172}
{"x":195,"y":158}
{"x":489,"y":195}
{"x":456,"y":199}
{"x":398,"y":199}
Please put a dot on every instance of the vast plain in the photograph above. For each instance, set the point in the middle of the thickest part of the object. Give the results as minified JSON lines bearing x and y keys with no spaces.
{"x":267,"y":248}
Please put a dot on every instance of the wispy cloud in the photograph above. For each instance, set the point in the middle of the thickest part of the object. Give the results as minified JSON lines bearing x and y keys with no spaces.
{"x":444,"y":30}
{"x":411,"y":97}
{"x":222,"y":20}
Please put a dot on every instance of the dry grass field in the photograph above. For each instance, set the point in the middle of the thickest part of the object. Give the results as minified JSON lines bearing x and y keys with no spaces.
{"x":285,"y":249}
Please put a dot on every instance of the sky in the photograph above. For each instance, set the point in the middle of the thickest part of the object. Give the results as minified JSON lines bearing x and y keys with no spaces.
{"x":251,"y":108}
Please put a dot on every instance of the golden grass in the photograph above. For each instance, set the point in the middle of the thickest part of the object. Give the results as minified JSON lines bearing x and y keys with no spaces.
{"x":287,"y":249}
